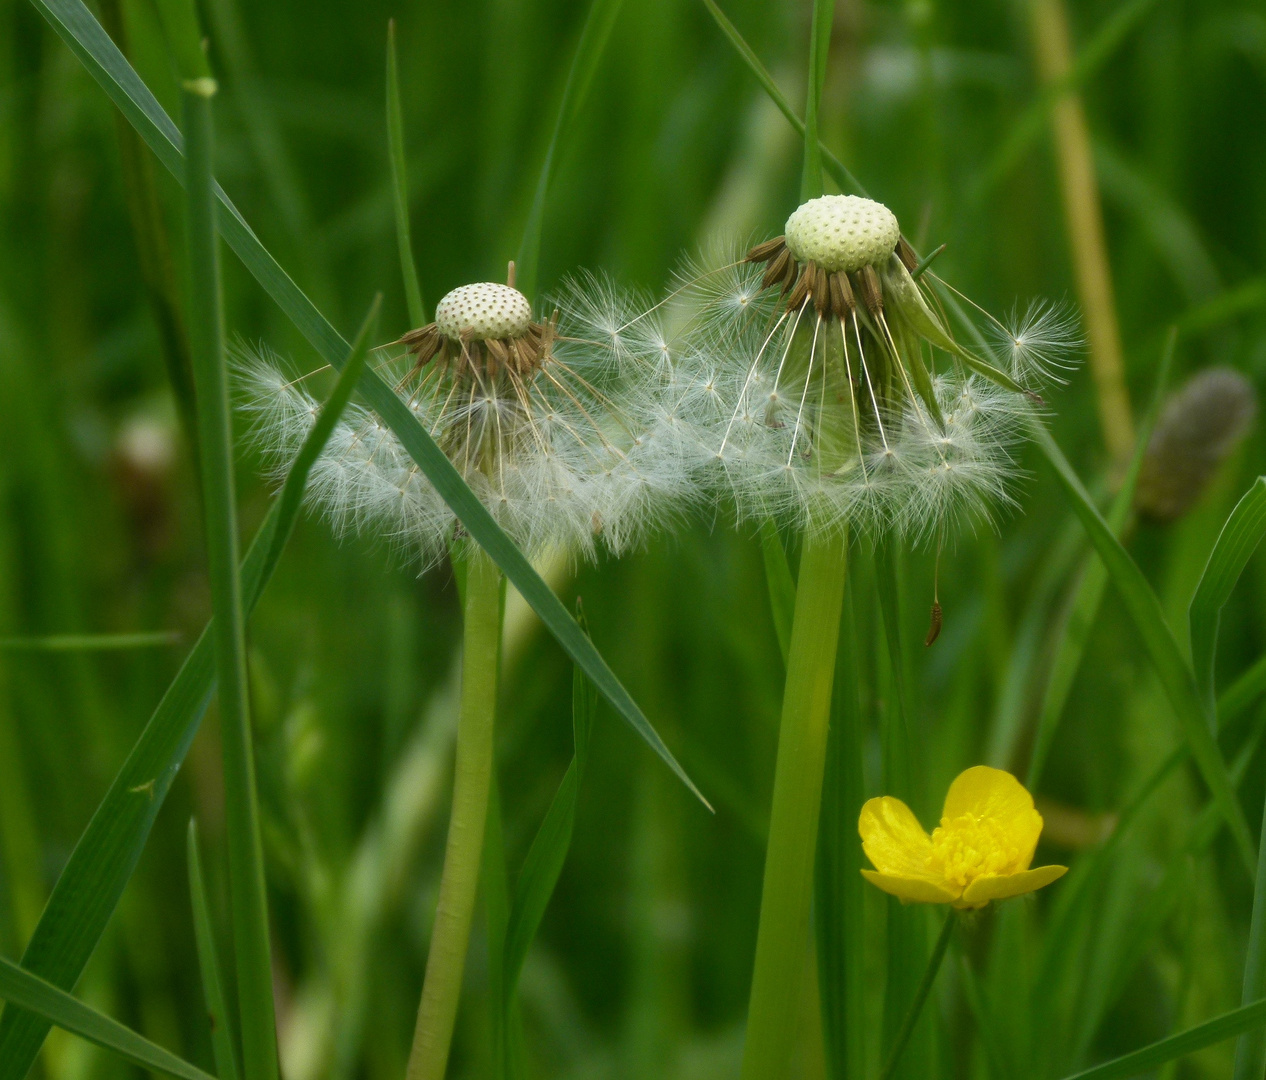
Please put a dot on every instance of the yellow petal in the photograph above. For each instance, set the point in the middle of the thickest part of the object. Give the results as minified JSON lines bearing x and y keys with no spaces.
{"x":893,"y":839}
{"x":984,"y":889}
{"x":920,"y":890}
{"x":993,"y":793}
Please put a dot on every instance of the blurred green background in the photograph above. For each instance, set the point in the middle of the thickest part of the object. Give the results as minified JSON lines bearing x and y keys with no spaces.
{"x":642,"y":965}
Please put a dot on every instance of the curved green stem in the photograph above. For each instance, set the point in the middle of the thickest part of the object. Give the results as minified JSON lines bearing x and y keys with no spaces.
{"x":783,"y":936}
{"x":450,"y":935}
{"x":920,"y":996}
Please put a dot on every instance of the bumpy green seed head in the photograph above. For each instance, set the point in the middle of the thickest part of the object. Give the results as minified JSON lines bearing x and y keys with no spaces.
{"x":842,"y":232}
{"x":482,"y":312}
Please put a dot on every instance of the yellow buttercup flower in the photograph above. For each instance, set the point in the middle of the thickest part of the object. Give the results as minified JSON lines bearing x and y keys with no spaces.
{"x":980,"y":852}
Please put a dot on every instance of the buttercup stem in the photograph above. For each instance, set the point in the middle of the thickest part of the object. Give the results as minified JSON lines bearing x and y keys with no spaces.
{"x":782,"y":937}
{"x":920,"y":996}
{"x":472,"y":778}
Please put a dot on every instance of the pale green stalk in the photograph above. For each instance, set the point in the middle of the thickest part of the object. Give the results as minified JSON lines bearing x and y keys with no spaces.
{"x":793,"y":821}
{"x":472,"y":779}
{"x":247,"y":891}
{"x":920,"y":997}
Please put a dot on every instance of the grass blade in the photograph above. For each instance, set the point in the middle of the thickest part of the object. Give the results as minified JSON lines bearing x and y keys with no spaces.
{"x":548,"y":852}
{"x":1235,"y":545}
{"x":400,"y":184}
{"x":1250,"y":1053}
{"x":248,"y":894}
{"x":89,"y":887}
{"x":839,"y":925}
{"x":584,"y":64}
{"x":1243,"y":692}
{"x":781,"y":585}
{"x":209,"y":964}
{"x":819,"y":44}
{"x":1075,"y":631}
{"x":76,"y":26}
{"x":92,"y":642}
{"x":34,"y":994}
{"x":1148,"y":1058}
{"x":747,"y":54}
{"x":1172,"y":670}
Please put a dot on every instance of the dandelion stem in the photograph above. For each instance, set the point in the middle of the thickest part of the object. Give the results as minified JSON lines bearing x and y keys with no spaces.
{"x":920,"y":996}
{"x":793,"y":823}
{"x":450,"y":935}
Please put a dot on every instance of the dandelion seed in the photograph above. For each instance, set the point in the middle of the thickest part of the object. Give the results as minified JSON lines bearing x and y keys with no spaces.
{"x":980,"y":851}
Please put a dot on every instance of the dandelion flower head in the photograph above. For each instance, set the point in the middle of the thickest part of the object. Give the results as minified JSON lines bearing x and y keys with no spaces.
{"x":563,"y":426}
{"x":840,"y":395}
{"x":980,"y":851}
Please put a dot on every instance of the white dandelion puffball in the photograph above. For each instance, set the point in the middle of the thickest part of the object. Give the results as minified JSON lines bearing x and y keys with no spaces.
{"x":838,"y":394}
{"x":567,"y":429}
{"x":842,"y":232}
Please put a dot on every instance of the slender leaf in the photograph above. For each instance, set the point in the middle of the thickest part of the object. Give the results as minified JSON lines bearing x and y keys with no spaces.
{"x":209,"y":963}
{"x":747,"y":54}
{"x":89,"y":888}
{"x":57,"y":1007}
{"x":1241,"y":694}
{"x":1245,"y":1018}
{"x":819,"y":44}
{"x":584,"y":65}
{"x":247,"y":890}
{"x":1235,"y":545}
{"x":76,"y":26}
{"x":91,"y":642}
{"x":1171,"y":668}
{"x":1250,"y":1053}
{"x":1075,"y":630}
{"x":548,"y":852}
{"x":839,"y":904}
{"x":400,"y":184}
{"x":781,"y":585}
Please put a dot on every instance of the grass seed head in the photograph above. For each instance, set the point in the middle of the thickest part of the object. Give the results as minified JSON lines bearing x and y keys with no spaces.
{"x":1199,"y":428}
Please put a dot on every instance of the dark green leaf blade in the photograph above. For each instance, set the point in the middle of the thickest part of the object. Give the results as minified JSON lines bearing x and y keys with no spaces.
{"x":88,"y":890}
{"x":1148,"y":1058}
{"x":1174,"y":673}
{"x":58,"y":1007}
{"x":400,"y":184}
{"x":1235,"y":545}
{"x":209,"y":963}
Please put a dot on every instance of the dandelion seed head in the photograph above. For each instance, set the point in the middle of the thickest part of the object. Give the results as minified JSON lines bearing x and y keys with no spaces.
{"x":555,"y":424}
{"x":842,"y":232}
{"x":482,"y":311}
{"x":831,"y":391}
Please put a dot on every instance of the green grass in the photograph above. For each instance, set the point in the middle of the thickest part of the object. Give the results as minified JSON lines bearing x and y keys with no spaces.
{"x":628,"y":914}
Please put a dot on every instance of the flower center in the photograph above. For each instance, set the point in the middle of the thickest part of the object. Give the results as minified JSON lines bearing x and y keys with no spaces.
{"x":483,"y":311}
{"x":967,"y":847}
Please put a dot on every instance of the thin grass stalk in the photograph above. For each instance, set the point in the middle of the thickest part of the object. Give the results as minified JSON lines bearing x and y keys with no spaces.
{"x":400,"y":184}
{"x":1084,"y":219}
{"x":209,"y":963}
{"x":920,"y":997}
{"x":246,"y":856}
{"x":839,"y":903}
{"x":819,"y":43}
{"x":450,"y":935}
{"x":1250,"y":1051}
{"x":787,"y":891}
{"x":907,"y":932}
